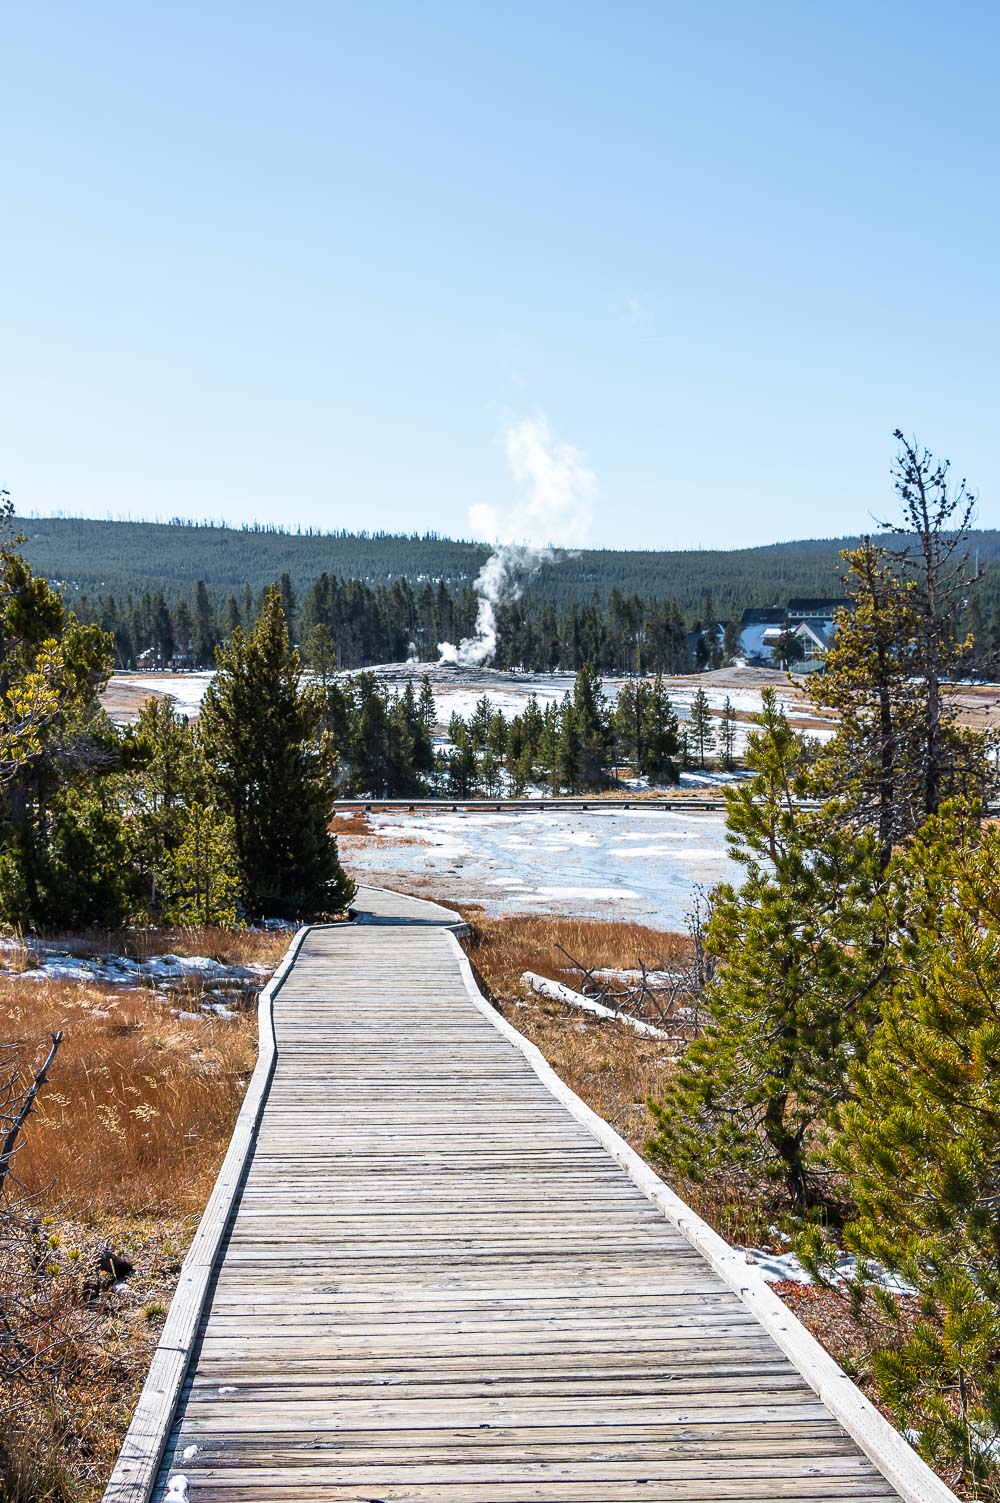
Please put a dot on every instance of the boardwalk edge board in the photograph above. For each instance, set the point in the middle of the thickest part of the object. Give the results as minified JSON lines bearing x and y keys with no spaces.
{"x":894,"y":1457}
{"x":135,"y":1470}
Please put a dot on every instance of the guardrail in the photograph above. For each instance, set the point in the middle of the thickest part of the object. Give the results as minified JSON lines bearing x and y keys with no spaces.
{"x":698,"y":804}
{"x":530,"y":805}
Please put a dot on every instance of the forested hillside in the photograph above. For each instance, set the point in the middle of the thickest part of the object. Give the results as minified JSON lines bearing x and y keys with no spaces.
{"x":129,"y":558}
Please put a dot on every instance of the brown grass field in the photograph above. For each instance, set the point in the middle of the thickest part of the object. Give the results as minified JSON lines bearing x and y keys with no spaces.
{"x":122,"y":1148}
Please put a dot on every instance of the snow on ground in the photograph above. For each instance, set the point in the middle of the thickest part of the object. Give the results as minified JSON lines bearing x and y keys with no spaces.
{"x":785,"y":1268}
{"x":186,"y":690}
{"x":458,"y":691}
{"x":36,"y":960}
{"x":639,"y":865}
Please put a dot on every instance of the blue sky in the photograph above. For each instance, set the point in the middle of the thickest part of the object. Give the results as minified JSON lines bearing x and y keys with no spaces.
{"x":317,"y":262}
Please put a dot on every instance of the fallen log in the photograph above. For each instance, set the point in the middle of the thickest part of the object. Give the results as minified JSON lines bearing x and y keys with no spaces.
{"x":556,"y":992}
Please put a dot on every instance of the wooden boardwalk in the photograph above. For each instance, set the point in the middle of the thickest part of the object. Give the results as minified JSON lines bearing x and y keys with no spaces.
{"x":438,"y":1286}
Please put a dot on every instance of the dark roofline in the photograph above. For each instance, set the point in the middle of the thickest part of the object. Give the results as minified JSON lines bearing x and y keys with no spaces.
{"x":763,"y":615}
{"x":811,"y":603}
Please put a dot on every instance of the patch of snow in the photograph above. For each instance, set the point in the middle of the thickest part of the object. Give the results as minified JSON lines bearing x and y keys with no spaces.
{"x":220,"y":1010}
{"x":47,"y":962}
{"x":630,"y":851}
{"x":607,"y":894}
{"x":778,"y":1268}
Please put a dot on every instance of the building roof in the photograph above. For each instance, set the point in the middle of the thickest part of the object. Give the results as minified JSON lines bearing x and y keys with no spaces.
{"x":767,"y":615}
{"x":808,"y":605}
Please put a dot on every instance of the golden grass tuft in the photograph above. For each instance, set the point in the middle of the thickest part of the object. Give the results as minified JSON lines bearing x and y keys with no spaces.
{"x":351,"y":822}
{"x":140,"y":1103}
{"x":502,"y":948}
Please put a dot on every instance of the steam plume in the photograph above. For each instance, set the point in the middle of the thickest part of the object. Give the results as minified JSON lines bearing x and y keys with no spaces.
{"x":555,"y":511}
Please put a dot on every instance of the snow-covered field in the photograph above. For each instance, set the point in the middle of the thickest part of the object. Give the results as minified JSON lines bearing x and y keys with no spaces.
{"x":187,"y":690}
{"x":457,"y":691}
{"x":640,"y":865}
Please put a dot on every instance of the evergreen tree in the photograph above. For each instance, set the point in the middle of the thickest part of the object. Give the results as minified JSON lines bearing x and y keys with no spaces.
{"x":274,"y":769}
{"x":701,"y":727}
{"x":937,"y":518}
{"x":205,"y":633}
{"x":727,"y":735}
{"x":289,"y":604}
{"x":920,"y":1145}
{"x":587,"y":734}
{"x":161,"y":630}
{"x":428,"y":706}
{"x":797,"y":989}
{"x":320,"y":652}
{"x":414,"y":713}
{"x":480,"y":721}
{"x":660,"y":737}
{"x":57,"y":748}
{"x":462,"y":765}
{"x":203,"y":884}
{"x":183,"y":628}
{"x":233,"y":617}
{"x":548,"y":744}
{"x":165,"y":773}
{"x":84,"y":878}
{"x":874,"y":682}
{"x":372,"y":763}
{"x":788,"y":649}
{"x":627,"y":722}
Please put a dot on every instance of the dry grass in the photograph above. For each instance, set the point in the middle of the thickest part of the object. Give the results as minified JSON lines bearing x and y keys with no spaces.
{"x":228,"y":946}
{"x":351,"y":822}
{"x":123,"y":1148}
{"x":140,"y":1101}
{"x":502,"y":948}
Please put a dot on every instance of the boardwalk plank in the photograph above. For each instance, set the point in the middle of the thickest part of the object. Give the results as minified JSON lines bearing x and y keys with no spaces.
{"x":438,"y":1287}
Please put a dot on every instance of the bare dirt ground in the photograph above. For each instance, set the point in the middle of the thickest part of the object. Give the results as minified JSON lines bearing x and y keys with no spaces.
{"x":123,"y":700}
{"x":127,"y":692}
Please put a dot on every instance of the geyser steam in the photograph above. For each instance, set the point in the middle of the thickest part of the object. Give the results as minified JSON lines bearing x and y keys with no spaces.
{"x":553,"y":514}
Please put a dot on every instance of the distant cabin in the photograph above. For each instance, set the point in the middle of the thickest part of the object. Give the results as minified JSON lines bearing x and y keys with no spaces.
{"x":153,"y":661}
{"x":812,"y":620}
